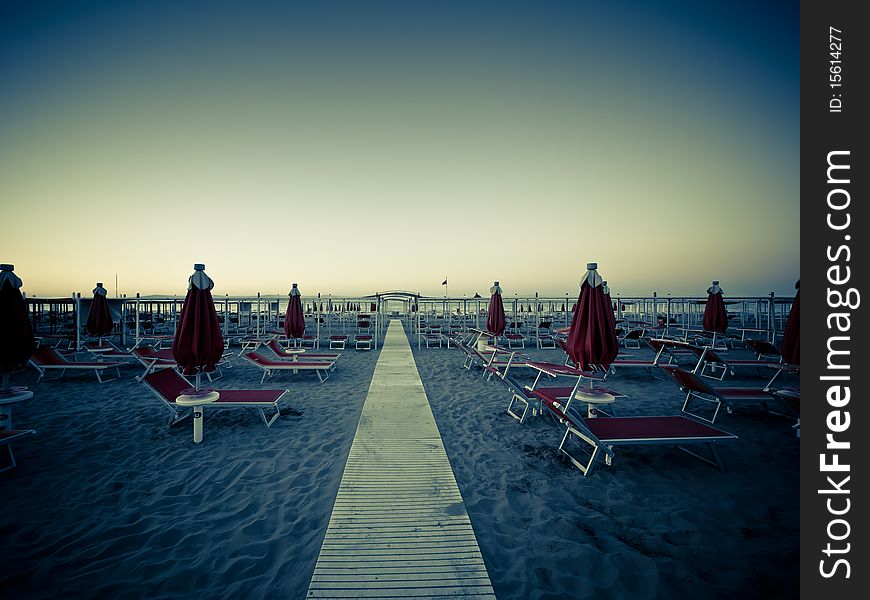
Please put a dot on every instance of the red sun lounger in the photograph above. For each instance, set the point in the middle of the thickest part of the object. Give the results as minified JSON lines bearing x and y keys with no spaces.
{"x":168,"y":384}
{"x":710,"y":361}
{"x":47,"y":359}
{"x":600,"y":435}
{"x":763,"y":349}
{"x":153,"y":359}
{"x":270,"y":365}
{"x":7,"y":436}
{"x":337,"y":342}
{"x":363,"y":341}
{"x":280,"y":352}
{"x":106,"y":350}
{"x":697,"y":389}
{"x":594,"y":394}
{"x":495,"y":360}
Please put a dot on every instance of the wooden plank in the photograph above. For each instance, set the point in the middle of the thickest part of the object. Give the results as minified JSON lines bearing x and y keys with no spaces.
{"x":399,"y":528}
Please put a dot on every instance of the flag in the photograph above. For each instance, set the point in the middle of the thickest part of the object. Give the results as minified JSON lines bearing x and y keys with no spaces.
{"x":444,"y":282}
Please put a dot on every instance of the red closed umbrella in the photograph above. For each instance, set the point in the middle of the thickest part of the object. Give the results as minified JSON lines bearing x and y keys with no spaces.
{"x":495,"y":315}
{"x":715,"y":317}
{"x":16,"y":334}
{"x":294,"y":321}
{"x":791,"y":339}
{"x":198,"y":344}
{"x":592,"y":337}
{"x":99,"y":318}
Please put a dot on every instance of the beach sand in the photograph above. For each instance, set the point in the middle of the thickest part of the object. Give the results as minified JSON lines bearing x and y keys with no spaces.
{"x":109,"y":502}
{"x":658,"y":523}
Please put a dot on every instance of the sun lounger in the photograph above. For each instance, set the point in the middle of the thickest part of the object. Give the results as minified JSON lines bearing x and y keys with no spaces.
{"x":107,"y":350}
{"x":337,"y":342}
{"x":308,"y":341}
{"x":153,"y":359}
{"x":433,"y":338}
{"x":544,"y":335}
{"x":47,"y":359}
{"x":631,"y":338}
{"x":494,"y":360}
{"x":7,"y":436}
{"x":764,"y":349}
{"x":281,"y":352}
{"x":697,"y":389}
{"x":586,"y":387}
{"x":270,"y":365}
{"x":710,"y":361}
{"x":168,"y":384}
{"x":714,"y":339}
{"x":515,"y":340}
{"x":675,"y":350}
{"x":599,"y":436}
{"x":156,"y":341}
{"x":557,"y":370}
{"x":363,"y":341}
{"x":252,"y":343}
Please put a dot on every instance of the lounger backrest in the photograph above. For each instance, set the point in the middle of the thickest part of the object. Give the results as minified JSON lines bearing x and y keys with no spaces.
{"x":710,"y":355}
{"x":48,"y":356}
{"x":275,"y":347}
{"x":763,"y":347}
{"x":688,"y":381}
{"x":167,"y":383}
{"x":145,"y":352}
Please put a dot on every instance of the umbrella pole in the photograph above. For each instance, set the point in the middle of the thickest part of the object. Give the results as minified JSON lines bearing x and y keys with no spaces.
{"x":137,"y":321}
{"x":78,"y":308}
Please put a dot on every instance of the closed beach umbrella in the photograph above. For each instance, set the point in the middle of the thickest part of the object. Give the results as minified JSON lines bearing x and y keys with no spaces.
{"x":715,"y":317}
{"x":495,"y":315}
{"x":606,"y":291}
{"x":791,"y":340}
{"x":16,"y":334}
{"x":592,"y":337}
{"x":374,"y":307}
{"x":294,"y":321}
{"x":198,"y":343}
{"x":99,"y":319}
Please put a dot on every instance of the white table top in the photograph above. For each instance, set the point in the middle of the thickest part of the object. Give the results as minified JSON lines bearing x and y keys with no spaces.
{"x":197,"y":400}
{"x":15,"y":395}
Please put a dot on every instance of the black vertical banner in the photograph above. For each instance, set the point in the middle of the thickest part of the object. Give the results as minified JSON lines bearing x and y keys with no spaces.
{"x":835,"y":420}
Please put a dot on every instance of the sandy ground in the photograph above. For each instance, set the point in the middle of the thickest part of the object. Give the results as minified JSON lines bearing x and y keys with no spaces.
{"x":658,"y":523}
{"x":109,"y":502}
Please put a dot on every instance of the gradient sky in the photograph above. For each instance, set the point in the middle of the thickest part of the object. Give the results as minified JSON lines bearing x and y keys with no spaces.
{"x":358,"y":146}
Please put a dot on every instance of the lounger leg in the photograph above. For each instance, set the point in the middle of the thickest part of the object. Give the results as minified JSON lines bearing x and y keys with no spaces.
{"x":584,"y":468}
{"x":9,"y":462}
{"x":268,"y":422}
{"x":714,"y":460}
{"x":510,"y":409}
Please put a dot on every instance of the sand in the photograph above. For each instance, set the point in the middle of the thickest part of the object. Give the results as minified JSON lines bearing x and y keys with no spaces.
{"x":108,"y":502}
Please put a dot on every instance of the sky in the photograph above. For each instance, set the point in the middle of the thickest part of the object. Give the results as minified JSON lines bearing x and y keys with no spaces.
{"x":362,"y":146}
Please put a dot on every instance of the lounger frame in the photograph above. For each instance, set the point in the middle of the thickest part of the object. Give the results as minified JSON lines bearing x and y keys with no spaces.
{"x":179,"y":413}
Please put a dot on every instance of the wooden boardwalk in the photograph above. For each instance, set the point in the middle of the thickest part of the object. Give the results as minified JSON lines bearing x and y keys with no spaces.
{"x":399,"y":527}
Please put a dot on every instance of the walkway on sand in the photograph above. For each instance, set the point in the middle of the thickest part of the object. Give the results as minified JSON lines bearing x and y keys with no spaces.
{"x":399,"y":527}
